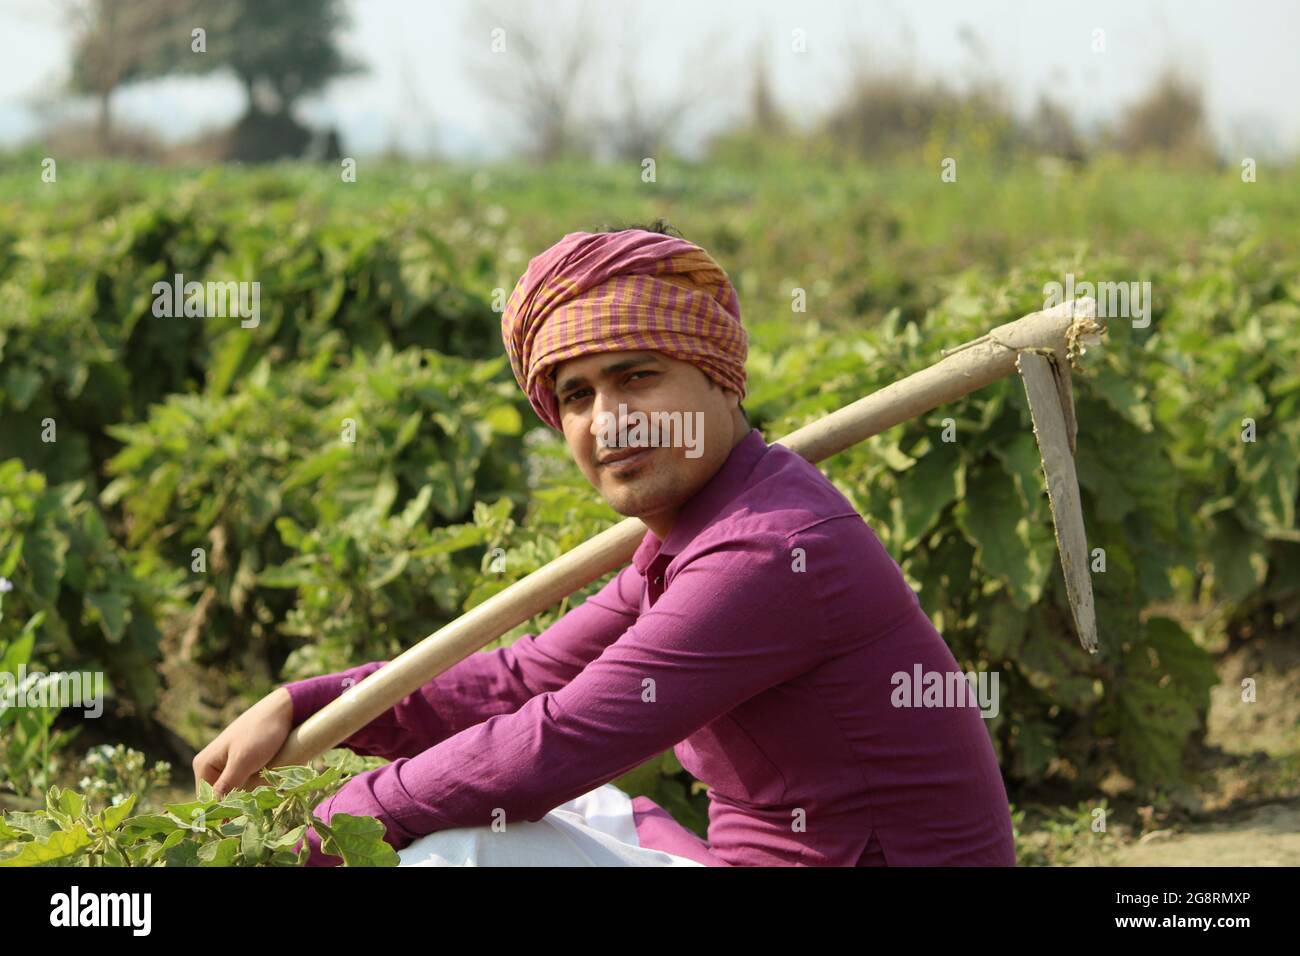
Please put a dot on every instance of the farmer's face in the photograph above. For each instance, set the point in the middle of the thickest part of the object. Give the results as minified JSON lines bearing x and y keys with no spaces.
{"x":692,"y":445}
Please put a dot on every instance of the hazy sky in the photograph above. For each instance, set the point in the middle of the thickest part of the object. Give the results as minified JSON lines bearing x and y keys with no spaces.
{"x":418,"y":92}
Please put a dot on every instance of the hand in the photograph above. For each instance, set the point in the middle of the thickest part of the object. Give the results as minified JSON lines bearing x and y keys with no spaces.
{"x":235,"y":759}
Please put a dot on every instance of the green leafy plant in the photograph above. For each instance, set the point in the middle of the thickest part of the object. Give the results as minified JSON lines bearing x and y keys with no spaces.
{"x":99,"y":603}
{"x":1067,"y":836}
{"x":179,"y":433}
{"x":247,"y":828}
{"x":30,"y":753}
{"x":111,"y":771}
{"x":968,"y":521}
{"x":320,"y":446}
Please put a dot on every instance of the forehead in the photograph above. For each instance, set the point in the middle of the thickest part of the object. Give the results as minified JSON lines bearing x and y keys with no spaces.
{"x":590,"y":366}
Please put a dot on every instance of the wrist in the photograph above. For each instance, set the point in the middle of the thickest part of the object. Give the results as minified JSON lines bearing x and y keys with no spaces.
{"x":280,"y":702}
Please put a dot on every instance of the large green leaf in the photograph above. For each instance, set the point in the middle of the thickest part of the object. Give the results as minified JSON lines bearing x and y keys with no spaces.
{"x":1023,"y":461}
{"x":1239,"y":556}
{"x":1272,"y":476}
{"x":1158,"y":700}
{"x":58,"y":847}
{"x":220,"y":853}
{"x":111,"y":608}
{"x":358,"y":840}
{"x":926,"y":489}
{"x":36,"y":824}
{"x":1008,"y":545}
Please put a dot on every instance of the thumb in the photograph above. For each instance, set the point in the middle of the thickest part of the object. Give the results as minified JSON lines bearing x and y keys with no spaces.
{"x":209,"y":765}
{"x":232,"y":776}
{"x":250,"y":782}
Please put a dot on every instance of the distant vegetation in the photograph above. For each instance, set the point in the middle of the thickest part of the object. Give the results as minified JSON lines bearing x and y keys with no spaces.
{"x":559,"y":101}
{"x":201,"y":529}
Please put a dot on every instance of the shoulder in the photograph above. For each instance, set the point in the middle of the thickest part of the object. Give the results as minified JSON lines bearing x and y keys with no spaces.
{"x":786,"y":497}
{"x":787,"y":512}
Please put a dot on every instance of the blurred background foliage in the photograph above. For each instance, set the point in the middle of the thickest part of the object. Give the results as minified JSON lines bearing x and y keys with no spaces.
{"x":203,"y":528}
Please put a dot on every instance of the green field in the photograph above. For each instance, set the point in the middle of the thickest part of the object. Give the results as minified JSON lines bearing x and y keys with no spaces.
{"x":380,"y":303}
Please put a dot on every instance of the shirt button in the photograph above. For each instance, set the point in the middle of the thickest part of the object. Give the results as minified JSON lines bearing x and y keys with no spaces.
{"x":659,"y":580}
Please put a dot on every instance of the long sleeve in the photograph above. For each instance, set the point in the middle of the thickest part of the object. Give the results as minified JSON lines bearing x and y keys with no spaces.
{"x":485,"y":684}
{"x":736,"y":620}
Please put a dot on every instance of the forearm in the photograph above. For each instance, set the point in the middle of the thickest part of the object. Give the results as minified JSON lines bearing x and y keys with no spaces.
{"x":485,"y":684}
{"x":481,"y":686}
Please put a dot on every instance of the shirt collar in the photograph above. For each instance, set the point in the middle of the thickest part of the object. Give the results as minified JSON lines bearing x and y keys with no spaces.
{"x":705,"y":504}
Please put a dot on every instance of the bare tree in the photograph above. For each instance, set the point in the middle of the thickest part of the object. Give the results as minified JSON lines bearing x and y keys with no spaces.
{"x":1051,"y":131}
{"x":765,"y":114}
{"x":648,"y":113}
{"x":417,"y":112}
{"x":113,"y":40}
{"x":1169,"y":118}
{"x":536,"y":72}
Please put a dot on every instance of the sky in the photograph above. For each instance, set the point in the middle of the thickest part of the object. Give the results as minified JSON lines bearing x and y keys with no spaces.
{"x":419,"y":92}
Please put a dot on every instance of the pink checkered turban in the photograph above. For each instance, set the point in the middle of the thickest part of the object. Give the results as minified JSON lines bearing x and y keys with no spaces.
{"x":607,"y":292}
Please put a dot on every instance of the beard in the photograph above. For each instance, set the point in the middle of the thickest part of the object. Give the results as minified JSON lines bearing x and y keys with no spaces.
{"x":650,"y":489}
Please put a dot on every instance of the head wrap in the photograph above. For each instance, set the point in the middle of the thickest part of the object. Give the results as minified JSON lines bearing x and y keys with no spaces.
{"x":606,"y":292}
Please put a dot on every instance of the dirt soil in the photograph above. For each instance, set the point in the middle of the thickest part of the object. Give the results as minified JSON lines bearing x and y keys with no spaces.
{"x":1245,"y":807}
{"x":1265,"y":836}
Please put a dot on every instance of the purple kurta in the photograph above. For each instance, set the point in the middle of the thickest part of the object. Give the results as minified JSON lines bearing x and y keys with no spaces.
{"x":767,"y":670}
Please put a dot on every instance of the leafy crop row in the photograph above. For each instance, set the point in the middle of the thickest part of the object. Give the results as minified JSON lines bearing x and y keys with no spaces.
{"x":359,"y":469}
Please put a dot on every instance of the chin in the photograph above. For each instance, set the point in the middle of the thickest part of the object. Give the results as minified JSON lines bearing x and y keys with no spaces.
{"x":644,"y":505}
{"x":627,"y":507}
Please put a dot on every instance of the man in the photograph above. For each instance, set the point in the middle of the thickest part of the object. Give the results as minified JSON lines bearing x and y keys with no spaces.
{"x":760,"y":630}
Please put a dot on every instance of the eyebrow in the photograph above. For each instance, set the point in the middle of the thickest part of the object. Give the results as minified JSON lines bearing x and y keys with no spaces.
{"x":575,"y":381}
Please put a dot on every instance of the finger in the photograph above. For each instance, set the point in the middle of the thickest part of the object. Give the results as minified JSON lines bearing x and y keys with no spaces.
{"x":253,"y":781}
{"x":207,"y":769}
{"x":231,"y":777}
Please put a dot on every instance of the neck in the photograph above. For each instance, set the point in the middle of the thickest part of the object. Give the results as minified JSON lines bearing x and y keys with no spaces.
{"x":662,"y":523}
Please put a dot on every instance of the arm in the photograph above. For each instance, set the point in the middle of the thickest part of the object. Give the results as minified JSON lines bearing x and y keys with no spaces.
{"x":734,"y":622}
{"x":485,"y":684}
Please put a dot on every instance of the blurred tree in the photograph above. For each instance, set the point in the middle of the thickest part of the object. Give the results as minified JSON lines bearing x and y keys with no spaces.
{"x":1169,"y":119}
{"x":636,"y":126}
{"x":885,"y":112}
{"x":533,"y":69}
{"x":765,"y":112}
{"x":763,"y":130}
{"x":280,"y":50}
{"x":1052,"y":132}
{"x":113,"y":43}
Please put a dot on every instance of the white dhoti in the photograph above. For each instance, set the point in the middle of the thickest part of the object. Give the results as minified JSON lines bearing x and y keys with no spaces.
{"x":595,"y":829}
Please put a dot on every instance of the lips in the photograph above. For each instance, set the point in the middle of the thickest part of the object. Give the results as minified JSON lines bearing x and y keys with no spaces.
{"x":630,"y":455}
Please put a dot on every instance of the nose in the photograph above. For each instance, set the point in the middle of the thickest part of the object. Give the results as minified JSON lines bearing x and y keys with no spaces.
{"x":605,"y":424}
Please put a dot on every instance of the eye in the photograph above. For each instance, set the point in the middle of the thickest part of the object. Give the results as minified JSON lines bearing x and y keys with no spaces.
{"x":577,"y":392}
